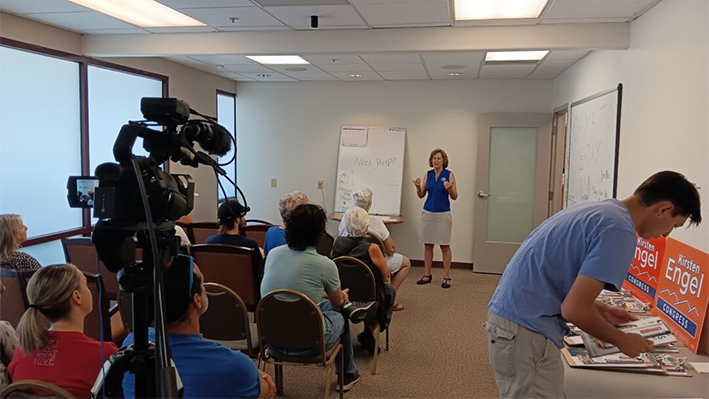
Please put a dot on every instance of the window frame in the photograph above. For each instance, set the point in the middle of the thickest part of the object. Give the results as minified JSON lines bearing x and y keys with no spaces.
{"x":84,"y":63}
{"x":216,"y":101}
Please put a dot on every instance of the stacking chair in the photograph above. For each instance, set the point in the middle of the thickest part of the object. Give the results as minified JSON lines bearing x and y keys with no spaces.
{"x":125,"y":309}
{"x":14,"y":299}
{"x":234,"y":267}
{"x":289,"y":319}
{"x":375,"y":240}
{"x":256,"y":232}
{"x":358,"y":277}
{"x":81,"y":252}
{"x":226,"y":320}
{"x":27,"y":389}
{"x":199,"y":231}
{"x":324,"y":244}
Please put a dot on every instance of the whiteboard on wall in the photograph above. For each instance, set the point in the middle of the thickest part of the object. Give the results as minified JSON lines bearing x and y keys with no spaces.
{"x":371,"y":157}
{"x":592,"y":148}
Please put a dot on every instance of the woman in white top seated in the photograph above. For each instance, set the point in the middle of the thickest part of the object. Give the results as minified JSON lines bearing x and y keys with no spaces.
{"x":398,"y":264}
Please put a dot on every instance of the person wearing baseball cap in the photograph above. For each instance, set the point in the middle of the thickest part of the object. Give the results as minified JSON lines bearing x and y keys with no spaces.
{"x":231,"y":216}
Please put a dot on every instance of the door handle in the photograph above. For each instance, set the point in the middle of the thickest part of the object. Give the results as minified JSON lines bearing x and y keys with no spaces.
{"x":482,"y":194}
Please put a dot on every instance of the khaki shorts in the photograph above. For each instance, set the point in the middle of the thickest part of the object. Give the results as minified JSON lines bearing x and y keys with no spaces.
{"x":526,"y":365}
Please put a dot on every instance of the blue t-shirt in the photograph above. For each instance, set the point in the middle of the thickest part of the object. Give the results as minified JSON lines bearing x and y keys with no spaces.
{"x":438,"y":199}
{"x":207,"y":369}
{"x":595,"y":239}
{"x":275,"y":237}
{"x":232,"y":239}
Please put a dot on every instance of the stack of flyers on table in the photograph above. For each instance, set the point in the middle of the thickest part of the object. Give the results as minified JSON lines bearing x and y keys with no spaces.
{"x":574,"y":338}
{"x":645,"y":363}
{"x":651,"y":328}
{"x":624,"y":300}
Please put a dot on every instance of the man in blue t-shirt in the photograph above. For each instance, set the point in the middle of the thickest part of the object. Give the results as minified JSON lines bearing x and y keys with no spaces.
{"x":206,"y":369}
{"x":558,"y":272}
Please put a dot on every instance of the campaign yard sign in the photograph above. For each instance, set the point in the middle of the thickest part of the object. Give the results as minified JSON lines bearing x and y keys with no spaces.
{"x":682,"y":292}
{"x":644,"y":271}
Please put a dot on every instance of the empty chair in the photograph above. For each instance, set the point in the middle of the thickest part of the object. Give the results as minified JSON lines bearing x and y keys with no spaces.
{"x":81,"y":252}
{"x":28,"y":389}
{"x":234,"y":267}
{"x":256,"y":232}
{"x":199,"y":231}
{"x":324,"y":245}
{"x":289,"y":319}
{"x":358,"y":278}
{"x":226,"y":320}
{"x":102,"y":316}
{"x":14,"y":297}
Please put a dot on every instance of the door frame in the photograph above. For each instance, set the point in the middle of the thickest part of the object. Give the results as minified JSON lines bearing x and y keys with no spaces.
{"x":557,"y":181}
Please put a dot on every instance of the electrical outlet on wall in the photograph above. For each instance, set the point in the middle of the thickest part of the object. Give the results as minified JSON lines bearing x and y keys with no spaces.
{"x":274,"y":182}
{"x":320,"y":184}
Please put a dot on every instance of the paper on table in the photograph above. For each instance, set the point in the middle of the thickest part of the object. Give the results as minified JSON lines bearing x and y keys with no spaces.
{"x":701,"y":367}
{"x":385,"y":218}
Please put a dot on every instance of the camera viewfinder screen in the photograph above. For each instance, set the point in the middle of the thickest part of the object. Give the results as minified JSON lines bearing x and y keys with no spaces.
{"x":85,"y":189}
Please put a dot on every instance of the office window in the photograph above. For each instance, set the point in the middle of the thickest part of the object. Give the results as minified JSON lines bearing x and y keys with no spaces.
{"x":226,"y":114}
{"x":114,"y":99}
{"x":40,"y":139}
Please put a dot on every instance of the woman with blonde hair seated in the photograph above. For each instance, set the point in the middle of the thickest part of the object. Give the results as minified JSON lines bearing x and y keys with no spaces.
{"x":61,"y":355}
{"x":12,"y":234}
{"x":276,"y":235}
{"x":354,"y":243}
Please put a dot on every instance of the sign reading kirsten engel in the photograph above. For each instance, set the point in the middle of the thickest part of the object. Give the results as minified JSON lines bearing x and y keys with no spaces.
{"x":682,"y":292}
{"x":644,"y":271}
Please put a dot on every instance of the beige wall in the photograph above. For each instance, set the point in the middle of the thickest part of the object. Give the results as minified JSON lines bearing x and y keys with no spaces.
{"x":290,"y":131}
{"x":196,"y":87}
{"x":665,"y":76}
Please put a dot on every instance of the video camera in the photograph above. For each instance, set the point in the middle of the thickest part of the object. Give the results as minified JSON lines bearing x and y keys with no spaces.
{"x":137,"y":203}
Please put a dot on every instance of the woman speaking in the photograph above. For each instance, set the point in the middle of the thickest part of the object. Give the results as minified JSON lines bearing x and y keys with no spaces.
{"x":436,"y":219}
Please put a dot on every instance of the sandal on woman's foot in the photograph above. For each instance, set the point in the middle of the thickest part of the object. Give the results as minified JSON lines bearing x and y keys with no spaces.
{"x":398,"y":307}
{"x":426,"y":279}
{"x":446,"y":283}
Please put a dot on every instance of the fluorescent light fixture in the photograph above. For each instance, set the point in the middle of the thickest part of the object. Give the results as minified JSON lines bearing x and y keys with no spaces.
{"x":355,"y":75}
{"x":498,"y":9}
{"x":277,"y":59}
{"x":515,"y":55}
{"x":454,"y":74}
{"x":143,"y":13}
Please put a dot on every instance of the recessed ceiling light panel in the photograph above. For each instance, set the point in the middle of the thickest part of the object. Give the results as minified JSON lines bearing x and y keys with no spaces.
{"x":277,"y":59}
{"x":355,"y":75}
{"x":143,"y":13}
{"x":498,"y":9}
{"x":515,"y":55}
{"x":454,"y":74}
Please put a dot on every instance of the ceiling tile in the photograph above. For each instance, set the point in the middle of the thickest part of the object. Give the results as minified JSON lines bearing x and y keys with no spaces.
{"x":585,"y":9}
{"x":405,"y":75}
{"x":512,"y":71}
{"x":557,"y":55}
{"x":390,"y":58}
{"x":39,"y":6}
{"x":268,"y":3}
{"x":226,"y":59}
{"x":399,"y":66}
{"x":332,"y":17}
{"x":252,"y":28}
{"x":436,"y":70}
{"x":243,"y":68}
{"x":463,"y":57}
{"x":272,"y":77}
{"x":321,"y":60}
{"x":366,"y":76}
{"x":346,"y":67}
{"x":220,"y":16}
{"x":81,"y":20}
{"x":404,"y":13}
{"x":205,"y":3}
{"x":128,"y":31}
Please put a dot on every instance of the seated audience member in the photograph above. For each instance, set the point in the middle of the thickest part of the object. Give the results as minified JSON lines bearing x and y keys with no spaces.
{"x":297,"y":266}
{"x":207,"y":369}
{"x":184,"y":240}
{"x":276,"y":235}
{"x":8,"y":344}
{"x":62,"y":355}
{"x":399,"y":265}
{"x":231,"y":216}
{"x":353,"y":243}
{"x":12,"y":234}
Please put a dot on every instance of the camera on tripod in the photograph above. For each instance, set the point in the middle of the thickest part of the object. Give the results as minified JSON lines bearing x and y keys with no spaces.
{"x":137,"y":203}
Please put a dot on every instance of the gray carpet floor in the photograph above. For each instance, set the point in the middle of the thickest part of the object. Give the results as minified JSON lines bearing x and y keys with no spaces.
{"x":438,"y":347}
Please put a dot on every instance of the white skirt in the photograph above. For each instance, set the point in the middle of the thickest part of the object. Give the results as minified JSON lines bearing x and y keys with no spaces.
{"x":436,"y":227}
